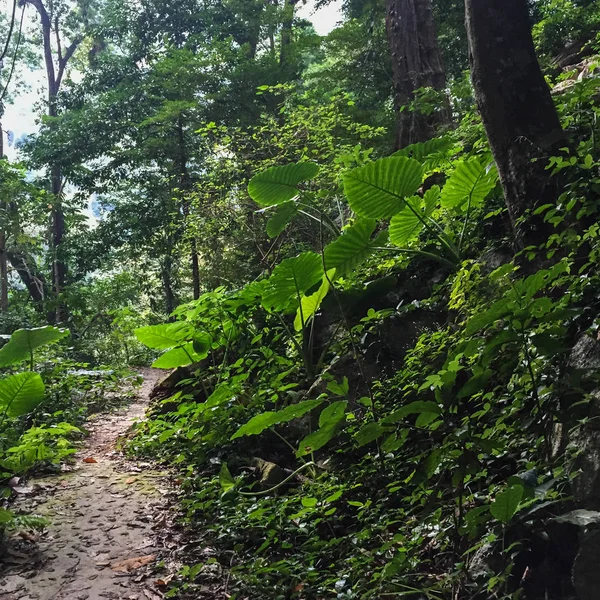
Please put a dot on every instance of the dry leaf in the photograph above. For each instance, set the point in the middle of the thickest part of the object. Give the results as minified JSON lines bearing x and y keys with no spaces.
{"x":130,"y":480}
{"x":90,"y":460}
{"x":164,"y":581}
{"x":28,"y":536}
{"x":131,"y":564}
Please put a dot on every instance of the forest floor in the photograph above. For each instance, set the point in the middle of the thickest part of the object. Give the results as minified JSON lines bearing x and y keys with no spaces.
{"x":108,"y":522}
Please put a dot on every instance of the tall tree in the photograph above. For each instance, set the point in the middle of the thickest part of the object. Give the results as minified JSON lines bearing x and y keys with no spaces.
{"x":514,"y":100}
{"x":416,"y":63}
{"x":56,"y":58}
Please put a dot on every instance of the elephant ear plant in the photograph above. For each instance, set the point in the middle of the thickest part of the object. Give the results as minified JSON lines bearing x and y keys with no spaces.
{"x":21,"y":393}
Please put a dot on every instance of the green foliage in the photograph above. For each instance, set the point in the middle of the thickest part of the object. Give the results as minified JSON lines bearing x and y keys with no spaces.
{"x":378,"y":190}
{"x":278,"y":185}
{"x":265,"y":420}
{"x":290,"y":279}
{"x":353,"y":247}
{"x":24,"y":342}
{"x":20,"y":394}
{"x":506,"y":503}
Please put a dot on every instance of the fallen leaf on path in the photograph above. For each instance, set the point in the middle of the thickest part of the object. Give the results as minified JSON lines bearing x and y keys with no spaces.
{"x":130,"y":480}
{"x":28,"y":536}
{"x":90,"y":460}
{"x":131,"y":564}
{"x":164,"y":581}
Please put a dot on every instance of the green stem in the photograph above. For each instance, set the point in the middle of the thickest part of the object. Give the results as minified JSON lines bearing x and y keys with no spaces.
{"x":270,"y":490}
{"x":440,"y":234}
{"x":423,"y":253}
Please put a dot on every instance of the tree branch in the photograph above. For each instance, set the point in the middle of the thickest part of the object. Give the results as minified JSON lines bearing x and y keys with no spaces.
{"x":64,"y":61}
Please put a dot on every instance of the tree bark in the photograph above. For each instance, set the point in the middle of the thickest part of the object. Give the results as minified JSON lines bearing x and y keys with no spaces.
{"x":516,"y":107}
{"x":416,"y":63}
{"x":289,"y":10}
{"x":3,"y":230}
{"x":33,"y":280}
{"x":185,"y":183}
{"x":55,"y":74}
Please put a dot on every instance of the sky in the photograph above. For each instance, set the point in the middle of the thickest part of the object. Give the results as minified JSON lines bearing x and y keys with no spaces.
{"x":20,"y":117}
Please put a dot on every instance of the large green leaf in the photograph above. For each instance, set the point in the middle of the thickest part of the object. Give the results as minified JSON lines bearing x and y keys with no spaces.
{"x":414,"y":408}
{"x":281,"y":218}
{"x":225,"y":478}
{"x":309,"y":305}
{"x":431,"y":154}
{"x":179,"y":357}
{"x":23,"y":342}
{"x":353,"y":246}
{"x":279,"y":184}
{"x":20,"y":394}
{"x":378,"y":190}
{"x":406,"y":225}
{"x":506,"y":503}
{"x":259,"y":423}
{"x":330,"y":421}
{"x":161,"y":337}
{"x":292,"y":278}
{"x":471,"y":182}
{"x":369,"y":433}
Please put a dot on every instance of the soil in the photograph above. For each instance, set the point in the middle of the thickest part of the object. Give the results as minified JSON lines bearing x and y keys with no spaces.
{"x":108,"y":518}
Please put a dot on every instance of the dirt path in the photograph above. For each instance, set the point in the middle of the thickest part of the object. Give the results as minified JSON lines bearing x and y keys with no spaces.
{"x":104,"y":519}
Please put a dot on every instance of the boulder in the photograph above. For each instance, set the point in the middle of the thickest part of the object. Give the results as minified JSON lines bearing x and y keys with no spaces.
{"x":585,"y":359}
{"x":268,"y":474}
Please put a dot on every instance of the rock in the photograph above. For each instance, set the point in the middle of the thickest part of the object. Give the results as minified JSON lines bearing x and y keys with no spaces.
{"x":583,"y":70}
{"x":269,"y":474}
{"x":585,"y":359}
{"x":586,"y":569}
{"x":166,"y":387}
{"x":582,"y":519}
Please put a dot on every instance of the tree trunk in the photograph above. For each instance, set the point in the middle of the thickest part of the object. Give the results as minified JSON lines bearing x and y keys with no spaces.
{"x":55,"y":74}
{"x":3,"y":229}
{"x":185,"y":184}
{"x":516,"y":107}
{"x":416,"y":63}
{"x":166,"y":276}
{"x":3,"y":274}
{"x":289,"y":9}
{"x":31,"y":278}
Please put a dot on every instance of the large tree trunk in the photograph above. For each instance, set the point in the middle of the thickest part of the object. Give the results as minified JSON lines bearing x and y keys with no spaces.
{"x":514,"y":100}
{"x":416,"y":63}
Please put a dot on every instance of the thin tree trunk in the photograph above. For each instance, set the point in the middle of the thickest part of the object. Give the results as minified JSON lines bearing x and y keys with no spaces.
{"x":55,"y":74}
{"x":195,"y":269}
{"x":289,"y":9}
{"x":186,"y":185}
{"x":3,"y":229}
{"x":3,"y":274}
{"x":516,"y":107}
{"x":416,"y":63}
{"x":166,"y":275}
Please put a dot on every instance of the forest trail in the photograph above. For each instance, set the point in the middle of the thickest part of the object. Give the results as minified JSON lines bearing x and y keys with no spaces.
{"x":101,"y":541}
